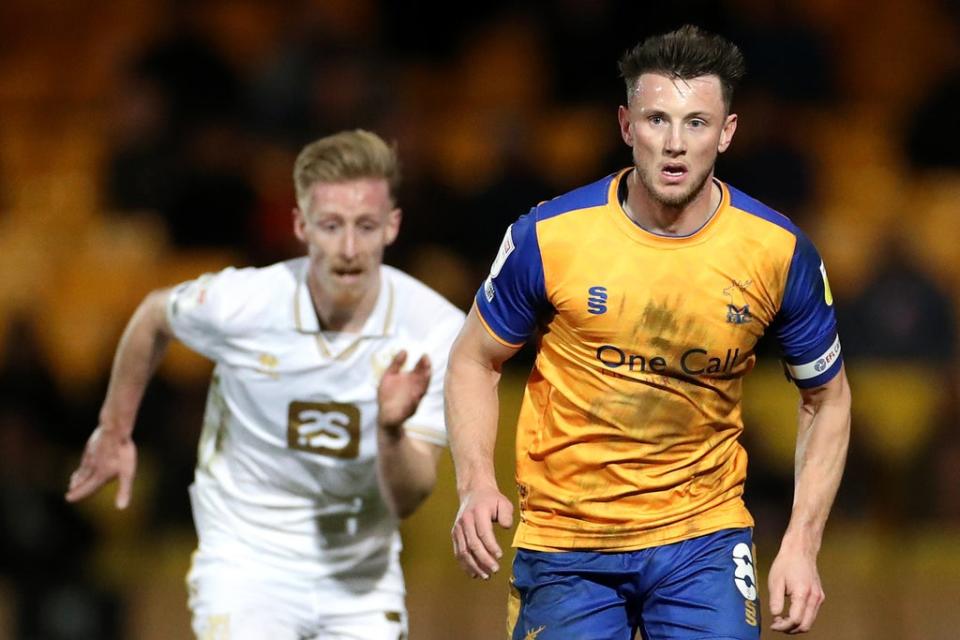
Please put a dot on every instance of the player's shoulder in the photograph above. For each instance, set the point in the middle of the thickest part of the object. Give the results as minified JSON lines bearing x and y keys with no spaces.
{"x":568,"y":215}
{"x":419,"y":309}
{"x":590,"y":196}
{"x":265,"y":281}
{"x":251,"y":297}
{"x":759,"y":212}
{"x":773,"y":232}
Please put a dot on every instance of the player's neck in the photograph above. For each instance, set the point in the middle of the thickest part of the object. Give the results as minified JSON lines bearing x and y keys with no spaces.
{"x":343,"y":313}
{"x":662,"y":219}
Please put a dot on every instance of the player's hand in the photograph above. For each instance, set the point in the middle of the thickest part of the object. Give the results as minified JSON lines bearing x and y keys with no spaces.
{"x":107,"y":455}
{"x":400,"y":392}
{"x":474,"y":543}
{"x":793,"y":575}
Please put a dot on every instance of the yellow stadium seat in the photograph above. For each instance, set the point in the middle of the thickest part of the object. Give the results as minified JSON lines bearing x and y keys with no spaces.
{"x":897,"y":405}
{"x":770,"y":404}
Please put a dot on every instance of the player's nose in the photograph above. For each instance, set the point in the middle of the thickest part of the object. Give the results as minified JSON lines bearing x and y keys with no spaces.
{"x":674,"y":142}
{"x":348,"y":244}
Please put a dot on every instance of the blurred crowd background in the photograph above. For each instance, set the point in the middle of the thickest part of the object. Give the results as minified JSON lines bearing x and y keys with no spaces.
{"x":143,"y":142}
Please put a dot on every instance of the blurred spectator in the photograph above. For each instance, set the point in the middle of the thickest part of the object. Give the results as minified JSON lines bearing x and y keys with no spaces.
{"x":481,"y":217}
{"x":767,"y":160}
{"x":45,"y":545}
{"x":787,"y":55}
{"x":429,"y":31}
{"x":270,"y":237}
{"x":900,"y":314}
{"x":330,"y":72}
{"x":932,"y":130}
{"x":938,"y":477}
{"x":213,"y":202}
{"x":311,"y":88}
{"x":901,"y":343}
{"x":195,"y":80}
{"x":140,"y":170}
{"x":483,"y":180}
{"x":178,"y":150}
{"x":580,"y":32}
{"x":27,"y":382}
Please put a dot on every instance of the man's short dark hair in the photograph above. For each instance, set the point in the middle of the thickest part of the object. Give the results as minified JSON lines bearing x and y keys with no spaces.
{"x":689,"y":52}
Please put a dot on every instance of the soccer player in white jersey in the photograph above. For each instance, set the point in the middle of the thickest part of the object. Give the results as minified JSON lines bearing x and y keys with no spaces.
{"x":324,"y":420}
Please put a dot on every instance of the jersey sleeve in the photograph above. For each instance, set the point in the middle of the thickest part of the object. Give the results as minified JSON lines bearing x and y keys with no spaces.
{"x":806,"y":326}
{"x":199,"y":311}
{"x":428,"y":422}
{"x":514,"y":295}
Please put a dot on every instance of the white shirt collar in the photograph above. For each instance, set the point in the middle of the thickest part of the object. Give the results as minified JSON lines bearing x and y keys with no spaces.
{"x":380,"y":322}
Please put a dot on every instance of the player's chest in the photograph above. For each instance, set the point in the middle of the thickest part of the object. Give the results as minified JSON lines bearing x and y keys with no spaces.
{"x":311,"y":367}
{"x":674,"y":298}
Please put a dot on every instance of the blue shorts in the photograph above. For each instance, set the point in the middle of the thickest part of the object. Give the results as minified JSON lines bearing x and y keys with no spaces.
{"x":696,"y":589}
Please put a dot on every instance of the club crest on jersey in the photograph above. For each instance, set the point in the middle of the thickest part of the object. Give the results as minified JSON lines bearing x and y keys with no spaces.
{"x":533,"y":634}
{"x":738,"y":310}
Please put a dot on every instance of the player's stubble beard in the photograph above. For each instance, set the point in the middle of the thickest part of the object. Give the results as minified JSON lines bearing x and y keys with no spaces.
{"x":337,"y":297}
{"x":679,"y":201}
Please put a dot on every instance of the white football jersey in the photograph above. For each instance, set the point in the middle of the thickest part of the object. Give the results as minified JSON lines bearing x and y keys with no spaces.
{"x":286,"y":468}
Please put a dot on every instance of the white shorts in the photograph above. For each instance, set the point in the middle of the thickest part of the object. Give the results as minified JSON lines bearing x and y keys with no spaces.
{"x":234,"y":602}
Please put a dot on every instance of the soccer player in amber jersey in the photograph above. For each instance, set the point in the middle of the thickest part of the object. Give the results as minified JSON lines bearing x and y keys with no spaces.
{"x":648,"y":291}
{"x":316,"y":438}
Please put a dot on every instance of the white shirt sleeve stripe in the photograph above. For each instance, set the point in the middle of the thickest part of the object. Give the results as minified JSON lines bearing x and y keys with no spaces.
{"x":816,"y":366}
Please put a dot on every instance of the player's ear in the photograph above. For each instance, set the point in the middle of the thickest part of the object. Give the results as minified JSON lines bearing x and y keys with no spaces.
{"x":392,"y":228}
{"x":626,"y":132}
{"x":299,"y":225}
{"x":726,"y":133}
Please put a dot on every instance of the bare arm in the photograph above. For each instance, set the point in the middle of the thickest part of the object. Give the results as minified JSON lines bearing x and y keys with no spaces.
{"x":406,"y":467}
{"x":822,"y":438}
{"x":408,"y":470}
{"x":110,"y":452}
{"x":472,"y":409}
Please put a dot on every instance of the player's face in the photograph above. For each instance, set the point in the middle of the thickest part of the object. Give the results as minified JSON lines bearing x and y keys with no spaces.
{"x":676,"y":129}
{"x":346,"y":226}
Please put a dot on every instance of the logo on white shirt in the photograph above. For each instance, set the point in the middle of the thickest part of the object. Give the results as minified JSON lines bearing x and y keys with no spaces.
{"x":325,"y":428}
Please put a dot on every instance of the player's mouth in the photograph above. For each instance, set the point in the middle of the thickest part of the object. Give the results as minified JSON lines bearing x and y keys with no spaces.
{"x":347,"y":274}
{"x":673,"y":172}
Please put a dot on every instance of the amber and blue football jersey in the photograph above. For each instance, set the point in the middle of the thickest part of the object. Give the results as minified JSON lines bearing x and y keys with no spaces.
{"x":628,"y":432}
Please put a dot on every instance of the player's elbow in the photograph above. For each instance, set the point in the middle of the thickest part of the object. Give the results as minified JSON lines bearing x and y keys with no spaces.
{"x":404,"y":504}
{"x":835,"y":394}
{"x":406,"y":487}
{"x":406,"y":508}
